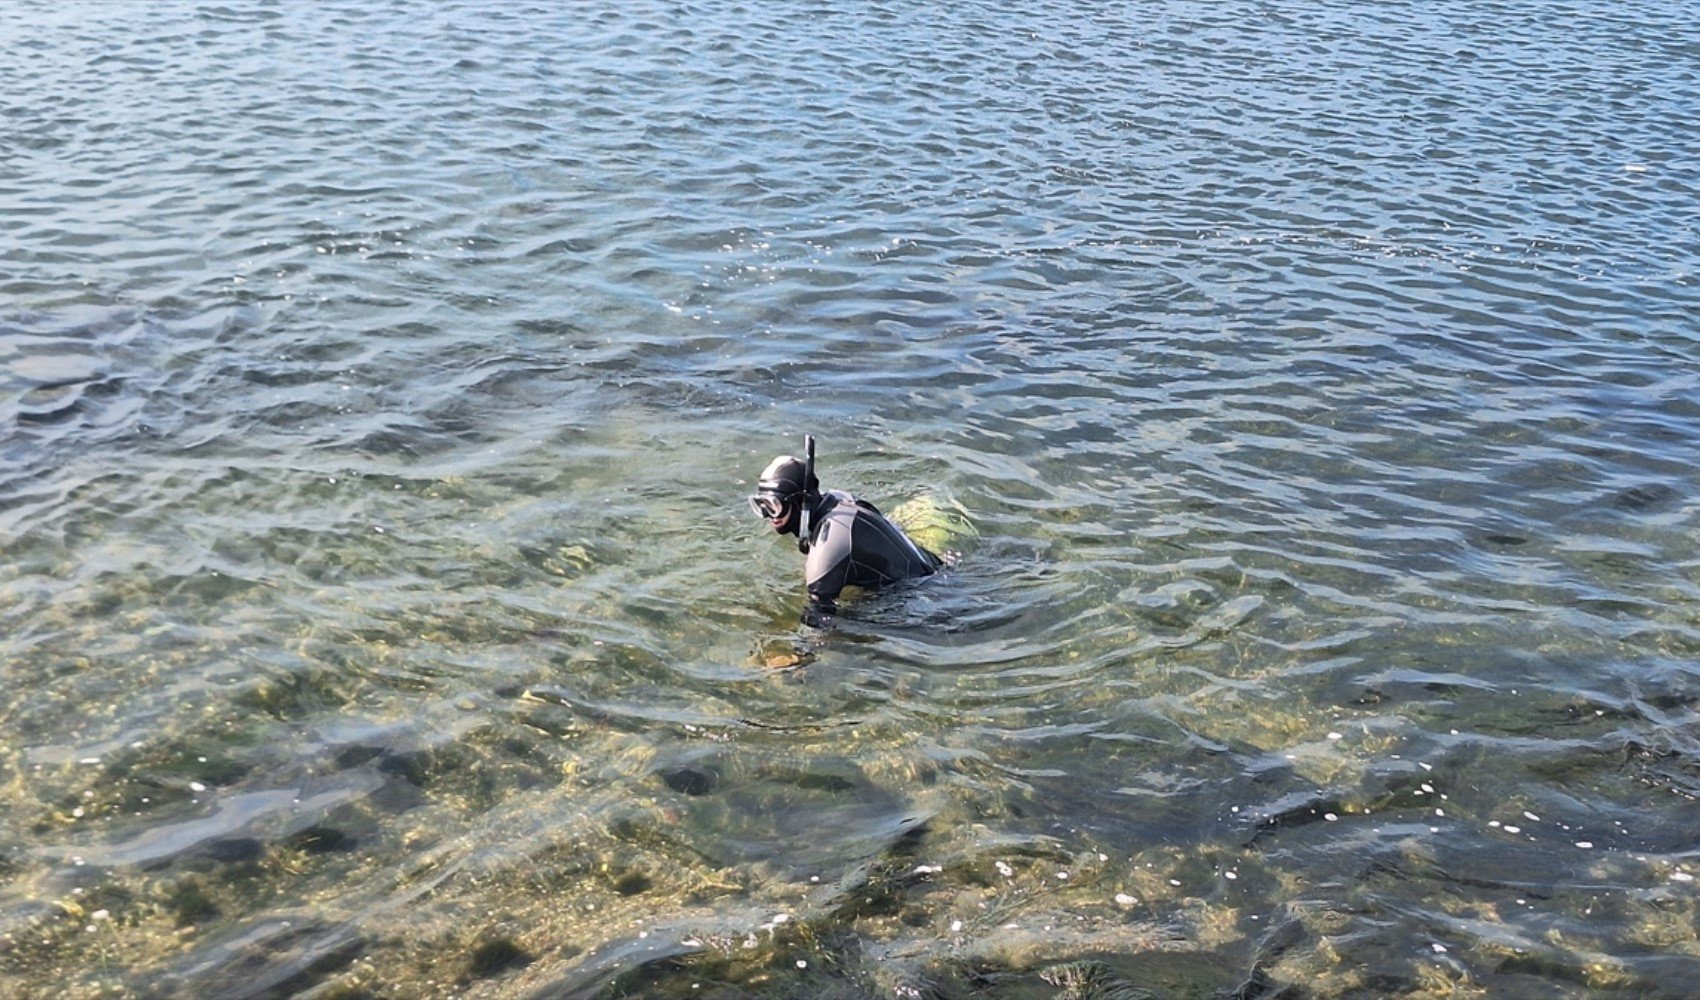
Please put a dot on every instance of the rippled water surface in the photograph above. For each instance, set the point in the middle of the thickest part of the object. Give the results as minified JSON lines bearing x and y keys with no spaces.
{"x":380,"y":616}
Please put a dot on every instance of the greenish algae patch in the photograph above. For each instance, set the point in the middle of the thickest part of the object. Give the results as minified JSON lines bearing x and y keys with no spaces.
{"x":936,"y":523}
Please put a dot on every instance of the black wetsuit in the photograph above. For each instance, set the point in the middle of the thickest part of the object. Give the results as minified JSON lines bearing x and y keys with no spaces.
{"x":851,"y":544}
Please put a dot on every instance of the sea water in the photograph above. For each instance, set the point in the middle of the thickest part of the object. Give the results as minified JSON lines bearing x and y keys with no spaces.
{"x":380,"y":383}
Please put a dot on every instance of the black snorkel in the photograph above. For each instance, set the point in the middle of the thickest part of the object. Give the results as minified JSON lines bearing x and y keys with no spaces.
{"x":811,"y":494}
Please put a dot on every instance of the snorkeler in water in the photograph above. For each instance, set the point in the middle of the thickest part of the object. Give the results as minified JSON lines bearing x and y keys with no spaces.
{"x":848,"y":542}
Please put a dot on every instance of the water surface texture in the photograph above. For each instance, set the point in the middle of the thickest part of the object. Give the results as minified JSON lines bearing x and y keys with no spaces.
{"x":380,"y":382}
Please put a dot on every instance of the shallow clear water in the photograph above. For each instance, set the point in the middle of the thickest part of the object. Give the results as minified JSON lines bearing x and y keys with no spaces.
{"x":379,"y":383}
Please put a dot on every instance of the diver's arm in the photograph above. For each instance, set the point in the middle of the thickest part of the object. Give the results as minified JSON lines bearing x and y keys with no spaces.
{"x":795,"y":647}
{"x":824,"y":582}
{"x":826,"y":572}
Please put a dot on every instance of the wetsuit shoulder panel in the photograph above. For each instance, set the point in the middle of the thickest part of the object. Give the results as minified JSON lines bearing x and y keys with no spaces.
{"x":831,"y":548}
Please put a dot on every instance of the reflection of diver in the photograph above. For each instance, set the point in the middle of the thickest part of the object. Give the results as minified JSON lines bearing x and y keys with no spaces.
{"x":849,"y":543}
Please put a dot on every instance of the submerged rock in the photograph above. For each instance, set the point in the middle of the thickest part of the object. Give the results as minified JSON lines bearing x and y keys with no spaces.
{"x":691,"y":780}
{"x":496,"y":956}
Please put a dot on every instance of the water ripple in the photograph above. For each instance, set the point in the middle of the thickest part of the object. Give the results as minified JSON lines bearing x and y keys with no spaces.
{"x":378,"y":383}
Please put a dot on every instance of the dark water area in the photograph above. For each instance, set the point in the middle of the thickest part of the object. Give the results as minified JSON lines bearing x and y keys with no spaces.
{"x":380,"y":615}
